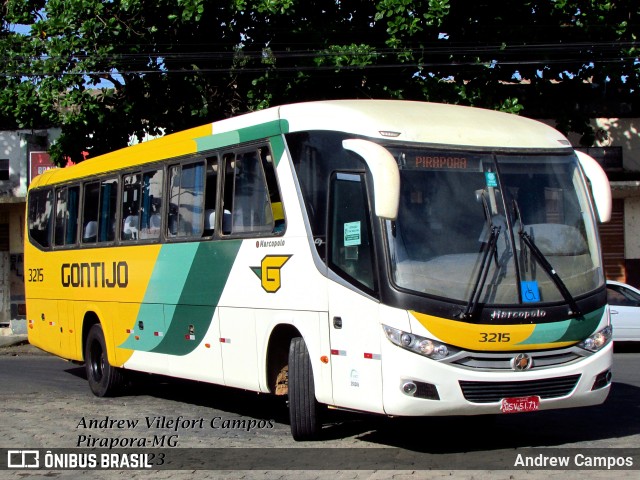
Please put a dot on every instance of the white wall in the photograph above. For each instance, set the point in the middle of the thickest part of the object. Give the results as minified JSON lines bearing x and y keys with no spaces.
{"x":10,"y":148}
{"x":614,"y":132}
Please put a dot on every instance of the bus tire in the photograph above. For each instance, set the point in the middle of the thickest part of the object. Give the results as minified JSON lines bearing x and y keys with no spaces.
{"x":304,"y":415}
{"x":104,"y":379}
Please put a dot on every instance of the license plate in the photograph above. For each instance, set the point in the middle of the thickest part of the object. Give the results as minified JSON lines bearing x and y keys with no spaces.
{"x":520,"y":404}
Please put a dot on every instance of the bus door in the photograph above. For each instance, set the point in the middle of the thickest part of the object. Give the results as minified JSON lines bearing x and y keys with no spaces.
{"x":353,"y":310}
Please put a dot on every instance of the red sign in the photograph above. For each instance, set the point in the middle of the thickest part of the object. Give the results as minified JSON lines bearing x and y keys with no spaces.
{"x":39,"y":162}
{"x":520,"y":404}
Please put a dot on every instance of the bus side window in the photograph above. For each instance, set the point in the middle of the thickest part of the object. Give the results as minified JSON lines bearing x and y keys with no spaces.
{"x":71,"y":226}
{"x":351,"y":245}
{"x":130,"y":207}
{"x":211,"y":193}
{"x":108,"y":208}
{"x":66,"y":220}
{"x":40,"y":216}
{"x":90,"y":212}
{"x":99,"y":211}
{"x":251,"y":211}
{"x":229,"y":164}
{"x":186,"y":201}
{"x":251,"y":193}
{"x":151,"y":204}
{"x":277,"y":209}
{"x":61,"y":215}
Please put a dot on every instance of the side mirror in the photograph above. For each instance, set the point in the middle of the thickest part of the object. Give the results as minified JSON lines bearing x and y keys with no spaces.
{"x":599,"y":185}
{"x":386,"y":176}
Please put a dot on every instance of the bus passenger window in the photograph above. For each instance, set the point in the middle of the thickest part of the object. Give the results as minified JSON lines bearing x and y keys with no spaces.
{"x":251,"y":193}
{"x":227,"y":200}
{"x":211,"y":189}
{"x":151,"y":205}
{"x":66,"y":220}
{"x":108,"y":207}
{"x":61,"y":213}
{"x":90,"y":212}
{"x":73,"y":205}
{"x":40,"y":216}
{"x":99,"y":211}
{"x":277,"y":209}
{"x":186,"y":201}
{"x":251,"y":212}
{"x":130,"y":207}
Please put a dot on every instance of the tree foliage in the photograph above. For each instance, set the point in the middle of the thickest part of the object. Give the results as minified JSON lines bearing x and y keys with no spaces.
{"x":103,"y":70}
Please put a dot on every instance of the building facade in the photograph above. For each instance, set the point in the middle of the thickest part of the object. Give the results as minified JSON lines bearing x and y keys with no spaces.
{"x":617,"y":149}
{"x":22,"y":156}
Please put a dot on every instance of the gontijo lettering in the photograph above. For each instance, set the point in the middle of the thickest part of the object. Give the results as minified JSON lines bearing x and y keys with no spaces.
{"x":95,"y":275}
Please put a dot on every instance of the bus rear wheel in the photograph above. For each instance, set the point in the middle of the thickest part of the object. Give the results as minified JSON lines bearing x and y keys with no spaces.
{"x":104,"y":379}
{"x":304,"y":410}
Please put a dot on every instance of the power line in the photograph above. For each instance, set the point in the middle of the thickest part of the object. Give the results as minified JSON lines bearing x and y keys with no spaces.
{"x":449,"y":49}
{"x":581,"y":54}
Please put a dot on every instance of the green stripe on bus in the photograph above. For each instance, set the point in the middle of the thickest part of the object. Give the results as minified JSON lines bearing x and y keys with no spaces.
{"x":249,"y":134}
{"x":189,"y":320}
{"x":183,"y":292}
{"x":278,"y":147}
{"x":218,"y":140}
{"x":264,"y":130}
{"x":572,"y":330}
{"x":169,"y":274}
{"x":151,"y":319}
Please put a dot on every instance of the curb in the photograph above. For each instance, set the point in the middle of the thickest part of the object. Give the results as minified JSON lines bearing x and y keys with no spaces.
{"x":10,"y":340}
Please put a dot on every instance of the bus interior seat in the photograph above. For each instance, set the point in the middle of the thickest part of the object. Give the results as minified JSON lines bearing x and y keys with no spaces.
{"x":210,"y":221}
{"x":90,"y":231}
{"x":154,"y":221}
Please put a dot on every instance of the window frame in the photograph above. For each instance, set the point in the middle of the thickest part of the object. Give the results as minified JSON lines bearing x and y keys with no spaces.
{"x":331,"y":203}
{"x":170,"y":238}
{"x":67,"y":187}
{"x":209,"y":158}
{"x":46,"y":191}
{"x":154,"y":168}
{"x":84,"y":223}
{"x":271,"y":184}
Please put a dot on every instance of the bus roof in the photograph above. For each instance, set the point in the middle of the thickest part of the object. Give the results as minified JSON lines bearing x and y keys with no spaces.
{"x":393,"y":120}
{"x":434,"y":123}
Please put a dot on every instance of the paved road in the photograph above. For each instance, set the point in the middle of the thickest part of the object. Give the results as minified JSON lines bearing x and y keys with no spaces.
{"x":46,"y":403}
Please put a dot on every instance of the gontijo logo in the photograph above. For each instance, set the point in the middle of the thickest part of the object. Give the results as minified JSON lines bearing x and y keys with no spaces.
{"x":269,"y":271}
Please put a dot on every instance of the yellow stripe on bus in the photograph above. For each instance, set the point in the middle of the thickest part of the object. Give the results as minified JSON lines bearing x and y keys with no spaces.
{"x":472,"y":336}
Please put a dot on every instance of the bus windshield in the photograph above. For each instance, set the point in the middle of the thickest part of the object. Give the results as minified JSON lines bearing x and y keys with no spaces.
{"x":497,"y":227}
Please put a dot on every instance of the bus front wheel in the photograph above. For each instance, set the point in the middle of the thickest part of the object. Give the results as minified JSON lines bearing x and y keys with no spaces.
{"x":104,"y":379}
{"x":304,"y":410}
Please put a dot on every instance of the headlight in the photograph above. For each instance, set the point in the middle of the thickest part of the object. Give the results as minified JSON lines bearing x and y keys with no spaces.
{"x":417,"y":344}
{"x":598,"y":340}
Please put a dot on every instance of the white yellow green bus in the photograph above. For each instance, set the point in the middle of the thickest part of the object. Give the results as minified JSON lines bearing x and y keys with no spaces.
{"x":395,"y":257}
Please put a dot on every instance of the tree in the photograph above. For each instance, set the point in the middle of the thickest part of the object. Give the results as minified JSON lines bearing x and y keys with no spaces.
{"x":141,"y":50}
{"x":171,"y":64}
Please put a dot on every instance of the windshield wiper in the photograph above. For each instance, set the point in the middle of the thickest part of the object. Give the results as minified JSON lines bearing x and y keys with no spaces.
{"x":483,"y":271}
{"x":546,"y":266}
